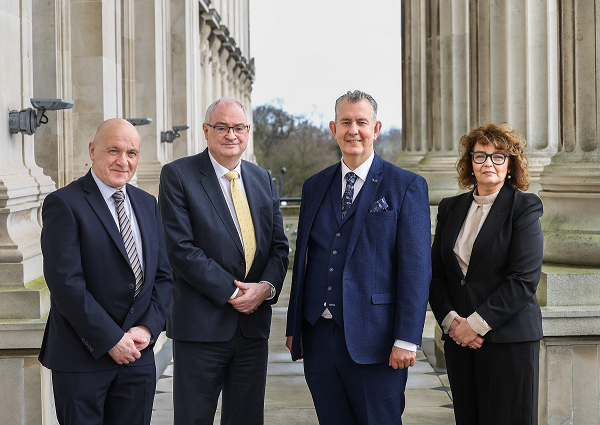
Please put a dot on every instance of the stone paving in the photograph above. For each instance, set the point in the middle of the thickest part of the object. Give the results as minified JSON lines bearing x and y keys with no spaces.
{"x":288,"y":400}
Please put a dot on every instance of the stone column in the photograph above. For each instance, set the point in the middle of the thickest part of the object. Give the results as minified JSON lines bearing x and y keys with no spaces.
{"x":96,"y":72}
{"x":152,"y":87}
{"x":568,"y":291}
{"x":513,"y":73}
{"x":185,"y":74}
{"x":223,"y":57}
{"x":205,"y":31}
{"x":52,"y":79}
{"x":24,"y":298}
{"x":215,"y":46}
{"x":447,"y":27}
{"x":414,"y":87}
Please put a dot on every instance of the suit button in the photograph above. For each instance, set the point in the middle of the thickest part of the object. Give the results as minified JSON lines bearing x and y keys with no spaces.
{"x":131,"y":286}
{"x":329,"y":288}
{"x":334,"y":252}
{"x":242,"y":263}
{"x":462,"y":282}
{"x":132,"y":310}
{"x":91,"y":350}
{"x":337,"y":234}
{"x":331,"y":269}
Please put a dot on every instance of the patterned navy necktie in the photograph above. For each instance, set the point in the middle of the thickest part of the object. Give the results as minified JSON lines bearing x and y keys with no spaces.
{"x":348,"y":193}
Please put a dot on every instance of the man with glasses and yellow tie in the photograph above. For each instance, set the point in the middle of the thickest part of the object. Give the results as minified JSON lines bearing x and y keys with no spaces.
{"x":229,"y":255}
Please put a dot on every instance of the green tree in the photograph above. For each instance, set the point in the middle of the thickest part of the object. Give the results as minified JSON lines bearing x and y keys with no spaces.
{"x":294,"y":142}
{"x":389,"y":144}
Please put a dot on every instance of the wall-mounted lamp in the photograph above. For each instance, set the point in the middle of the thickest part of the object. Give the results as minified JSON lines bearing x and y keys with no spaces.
{"x":27,"y":121}
{"x":170,"y":135}
{"x":139,"y":121}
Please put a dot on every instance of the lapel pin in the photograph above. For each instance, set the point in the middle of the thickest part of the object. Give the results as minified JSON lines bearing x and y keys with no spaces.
{"x":374,"y":180}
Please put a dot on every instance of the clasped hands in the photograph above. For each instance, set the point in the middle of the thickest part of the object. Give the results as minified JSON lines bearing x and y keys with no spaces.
{"x":250,"y":295}
{"x":463,"y":334}
{"x":128,"y":349}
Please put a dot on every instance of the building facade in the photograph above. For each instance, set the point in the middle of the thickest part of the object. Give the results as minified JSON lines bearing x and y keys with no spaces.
{"x":536,"y":65}
{"x":161,"y":59}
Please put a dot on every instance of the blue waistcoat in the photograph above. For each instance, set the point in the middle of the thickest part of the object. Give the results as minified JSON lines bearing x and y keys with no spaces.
{"x":326,"y":259}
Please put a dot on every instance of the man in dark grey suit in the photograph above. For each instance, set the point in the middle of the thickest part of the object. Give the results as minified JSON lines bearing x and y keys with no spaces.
{"x":229,"y":254}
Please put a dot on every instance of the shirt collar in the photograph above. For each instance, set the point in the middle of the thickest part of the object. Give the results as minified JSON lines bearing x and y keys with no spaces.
{"x":488,"y":199}
{"x":362,"y":171}
{"x":220,"y":171}
{"x":105,"y":190}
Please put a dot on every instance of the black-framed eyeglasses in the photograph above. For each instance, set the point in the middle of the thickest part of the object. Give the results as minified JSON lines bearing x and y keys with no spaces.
{"x":497,"y":158}
{"x":223,"y":129}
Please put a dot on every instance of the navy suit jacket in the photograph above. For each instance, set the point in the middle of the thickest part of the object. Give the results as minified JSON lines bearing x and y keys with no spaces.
{"x":91,"y":282}
{"x":387,"y":262}
{"x":206,"y":252}
{"x":504,"y":269}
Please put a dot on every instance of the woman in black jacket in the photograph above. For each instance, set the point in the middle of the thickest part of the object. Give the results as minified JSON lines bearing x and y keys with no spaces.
{"x":487,"y":260}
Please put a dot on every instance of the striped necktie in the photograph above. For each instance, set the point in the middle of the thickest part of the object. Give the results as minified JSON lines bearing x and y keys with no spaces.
{"x":242,"y":210}
{"x":128,"y":240}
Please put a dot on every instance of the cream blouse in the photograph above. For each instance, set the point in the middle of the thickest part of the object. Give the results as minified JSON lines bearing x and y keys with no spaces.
{"x":478,"y":212}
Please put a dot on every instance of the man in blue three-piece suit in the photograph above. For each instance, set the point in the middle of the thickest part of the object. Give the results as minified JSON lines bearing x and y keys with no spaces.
{"x":106,"y":266}
{"x":361,"y":276}
{"x":224,"y":233}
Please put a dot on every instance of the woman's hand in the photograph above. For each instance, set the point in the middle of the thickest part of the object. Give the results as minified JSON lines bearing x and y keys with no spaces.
{"x":463,"y":334}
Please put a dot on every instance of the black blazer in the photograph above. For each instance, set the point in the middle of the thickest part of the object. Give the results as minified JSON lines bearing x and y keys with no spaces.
{"x":504,"y":269}
{"x":91,"y":282}
{"x":206,"y":252}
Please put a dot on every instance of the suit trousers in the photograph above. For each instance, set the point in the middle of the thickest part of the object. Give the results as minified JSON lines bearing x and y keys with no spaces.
{"x":120,"y":396}
{"x":201,"y":370}
{"x":343,"y":391}
{"x":497,"y":384}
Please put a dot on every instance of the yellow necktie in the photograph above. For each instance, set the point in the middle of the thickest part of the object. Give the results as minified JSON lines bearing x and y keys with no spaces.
{"x":242,"y":210}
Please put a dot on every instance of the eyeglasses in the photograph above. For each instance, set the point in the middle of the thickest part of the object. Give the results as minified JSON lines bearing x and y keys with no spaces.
{"x":497,"y":158}
{"x":223,"y":129}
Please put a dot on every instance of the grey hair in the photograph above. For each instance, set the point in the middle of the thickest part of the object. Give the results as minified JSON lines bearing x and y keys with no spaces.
{"x":355,"y":97}
{"x":227,"y":100}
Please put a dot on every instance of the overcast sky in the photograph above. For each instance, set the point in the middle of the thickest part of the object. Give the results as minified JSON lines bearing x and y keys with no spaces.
{"x":310,"y":52}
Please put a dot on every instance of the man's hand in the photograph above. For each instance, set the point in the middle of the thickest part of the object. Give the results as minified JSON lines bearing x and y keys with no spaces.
{"x":464,"y":335}
{"x":125,"y":351}
{"x":401,"y":358}
{"x":250,"y":296}
{"x":288,"y":344}
{"x":141,"y":336}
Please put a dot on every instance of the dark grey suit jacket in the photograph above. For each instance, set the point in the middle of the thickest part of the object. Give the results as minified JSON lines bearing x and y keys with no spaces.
{"x":206,"y":252}
{"x":504,"y":269}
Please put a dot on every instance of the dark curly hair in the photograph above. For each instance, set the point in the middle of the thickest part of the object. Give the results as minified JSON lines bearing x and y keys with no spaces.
{"x":504,"y":138}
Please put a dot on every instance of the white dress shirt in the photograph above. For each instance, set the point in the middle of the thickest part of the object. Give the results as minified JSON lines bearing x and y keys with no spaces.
{"x":107,"y":193}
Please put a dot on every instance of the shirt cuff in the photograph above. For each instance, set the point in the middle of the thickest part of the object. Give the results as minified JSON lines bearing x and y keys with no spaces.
{"x":273,"y":293}
{"x":448,"y":321}
{"x":478,"y":324}
{"x":406,"y":345}
{"x":234,"y":293}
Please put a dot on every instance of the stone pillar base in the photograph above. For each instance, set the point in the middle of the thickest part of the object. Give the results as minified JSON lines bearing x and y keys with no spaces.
{"x":25,"y":393}
{"x":570,"y":349}
{"x":569,"y":380}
